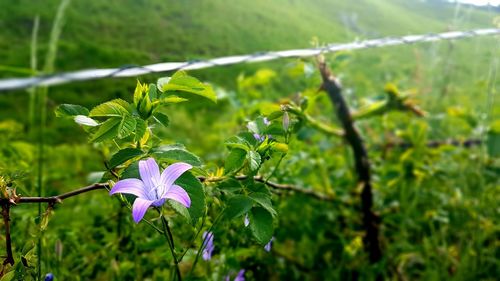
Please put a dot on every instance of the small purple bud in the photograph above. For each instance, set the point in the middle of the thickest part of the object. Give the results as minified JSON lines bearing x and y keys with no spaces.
{"x":208,"y":245}
{"x":268,"y":245}
{"x":266,"y":121}
{"x":246,"y":221}
{"x":286,"y":121}
{"x":240,"y":276}
{"x":259,"y":137}
{"x":49,"y":277}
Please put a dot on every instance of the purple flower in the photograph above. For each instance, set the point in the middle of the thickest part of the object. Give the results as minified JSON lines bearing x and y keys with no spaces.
{"x":154,"y":188}
{"x":239,"y":277}
{"x":49,"y":277}
{"x":269,"y":244}
{"x":246,"y":221}
{"x":266,"y":121}
{"x":208,"y":245}
{"x":258,"y":137}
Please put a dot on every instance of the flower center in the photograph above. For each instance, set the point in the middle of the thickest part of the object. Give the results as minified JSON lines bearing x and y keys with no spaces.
{"x":158,"y":188}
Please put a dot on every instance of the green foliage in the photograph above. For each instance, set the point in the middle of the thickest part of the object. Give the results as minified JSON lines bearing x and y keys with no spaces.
{"x":237,"y":206}
{"x":181,"y":83}
{"x":123,"y":156}
{"x":434,"y":202}
{"x":261,"y":224}
{"x":176,"y":153}
{"x":195,"y":190}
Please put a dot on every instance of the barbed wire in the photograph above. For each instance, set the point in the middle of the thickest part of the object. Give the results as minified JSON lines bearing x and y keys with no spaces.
{"x":135,"y":70}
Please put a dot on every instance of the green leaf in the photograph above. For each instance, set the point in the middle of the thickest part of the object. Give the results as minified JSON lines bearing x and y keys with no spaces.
{"x":176,"y":153}
{"x":230,"y":185}
{"x":258,"y":126}
{"x":127,"y":126}
{"x":69,"y":110}
{"x":161,"y":119}
{"x":264,"y":200}
{"x":194,"y":188}
{"x":254,"y":160}
{"x":235,"y":160}
{"x":138,"y":93}
{"x":140,"y":129}
{"x":237,"y":206}
{"x":161,"y":82}
{"x":493,"y":143}
{"x":153,"y":92}
{"x":107,"y":130}
{"x":131,"y":172}
{"x":180,"y":209}
{"x":113,"y":108}
{"x":171,"y":100}
{"x":181,"y":82}
{"x":9,"y":276}
{"x":85,"y":121}
{"x":123,"y":156}
{"x":261,"y":225}
{"x":237,"y":142}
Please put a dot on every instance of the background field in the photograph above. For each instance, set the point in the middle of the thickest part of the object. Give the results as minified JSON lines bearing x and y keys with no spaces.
{"x":439,"y":205}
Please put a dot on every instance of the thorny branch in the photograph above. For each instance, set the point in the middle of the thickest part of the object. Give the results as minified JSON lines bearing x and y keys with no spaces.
{"x":370,"y":220}
{"x":52,"y":200}
{"x":8,"y":242}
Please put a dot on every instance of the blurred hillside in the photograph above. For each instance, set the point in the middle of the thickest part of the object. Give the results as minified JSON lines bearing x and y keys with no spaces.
{"x":116,"y":33}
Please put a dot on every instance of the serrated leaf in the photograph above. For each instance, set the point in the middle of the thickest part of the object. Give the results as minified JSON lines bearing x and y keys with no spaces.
{"x":127,"y":126}
{"x":194,"y":188}
{"x":107,"y":130}
{"x":85,"y":121}
{"x":261,"y":224}
{"x":123,"y":156}
{"x":180,"y":209}
{"x":237,"y":206}
{"x":235,"y":160}
{"x":264,"y":200}
{"x":161,"y":119}
{"x":254,"y":160}
{"x":181,"y":82}
{"x":68,"y":110}
{"x":176,"y":153}
{"x":140,"y":129}
{"x":113,"y":108}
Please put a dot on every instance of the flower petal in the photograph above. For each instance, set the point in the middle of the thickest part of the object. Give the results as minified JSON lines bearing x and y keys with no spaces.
{"x":178,"y":194}
{"x":139,"y":209}
{"x":130,"y":186}
{"x":148,"y":169}
{"x":173,"y":172}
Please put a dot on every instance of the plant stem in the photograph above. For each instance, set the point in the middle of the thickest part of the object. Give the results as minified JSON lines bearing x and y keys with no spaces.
{"x":170,"y":240}
{"x":217,"y":219}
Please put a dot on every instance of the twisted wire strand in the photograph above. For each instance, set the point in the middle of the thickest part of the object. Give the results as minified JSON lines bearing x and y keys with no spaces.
{"x":136,"y":70}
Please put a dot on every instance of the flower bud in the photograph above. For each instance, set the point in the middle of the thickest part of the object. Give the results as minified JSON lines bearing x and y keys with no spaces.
{"x":286,"y":121}
{"x":49,"y":277}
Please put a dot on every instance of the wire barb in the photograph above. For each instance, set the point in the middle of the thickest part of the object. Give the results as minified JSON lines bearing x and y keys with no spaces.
{"x":136,"y":70}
